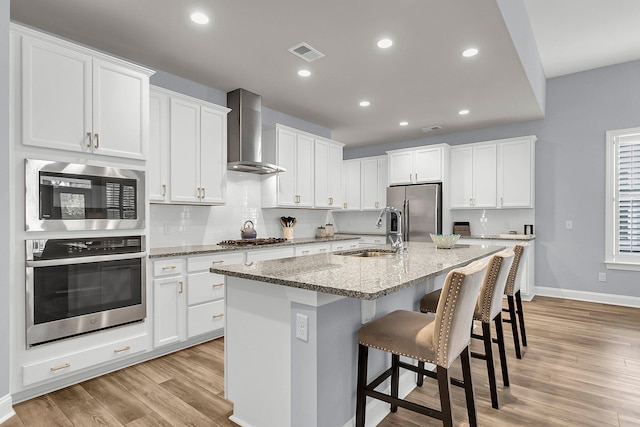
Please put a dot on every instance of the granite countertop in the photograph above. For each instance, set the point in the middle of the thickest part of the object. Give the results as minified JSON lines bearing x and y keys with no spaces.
{"x":521,"y":237}
{"x":207,"y":249}
{"x":365,"y":278}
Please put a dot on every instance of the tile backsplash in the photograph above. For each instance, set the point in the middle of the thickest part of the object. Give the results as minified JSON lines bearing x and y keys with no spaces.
{"x":177,"y":225}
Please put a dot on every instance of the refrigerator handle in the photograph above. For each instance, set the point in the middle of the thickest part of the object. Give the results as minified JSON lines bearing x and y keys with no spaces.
{"x":405,"y":214}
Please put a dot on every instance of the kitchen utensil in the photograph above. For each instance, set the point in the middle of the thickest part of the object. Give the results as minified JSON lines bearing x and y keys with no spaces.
{"x":248,"y":231}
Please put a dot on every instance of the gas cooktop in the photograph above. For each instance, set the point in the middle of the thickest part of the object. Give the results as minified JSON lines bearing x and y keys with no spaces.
{"x":253,"y":242}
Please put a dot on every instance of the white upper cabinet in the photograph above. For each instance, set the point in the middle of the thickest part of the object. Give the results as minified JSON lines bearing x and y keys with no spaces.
{"x":374,"y":175}
{"x":365,"y":183}
{"x":473,"y":176}
{"x":75,"y":99}
{"x":416,"y":165}
{"x":294,"y":151}
{"x":159,"y":152}
{"x":516,"y":162}
{"x":351,"y":185}
{"x":493,"y":174}
{"x":328,"y":174}
{"x":198,"y":141}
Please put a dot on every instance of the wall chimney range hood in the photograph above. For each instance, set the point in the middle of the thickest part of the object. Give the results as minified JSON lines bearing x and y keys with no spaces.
{"x":244,"y":134}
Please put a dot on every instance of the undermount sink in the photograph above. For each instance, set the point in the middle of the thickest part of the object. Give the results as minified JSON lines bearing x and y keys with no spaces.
{"x":368,"y":253}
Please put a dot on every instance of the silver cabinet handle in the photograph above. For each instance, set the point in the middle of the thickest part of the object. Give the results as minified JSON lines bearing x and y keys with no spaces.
{"x":330,"y":201}
{"x":218,"y":261}
{"x":204,"y":193}
{"x":90,"y":142}
{"x":120,"y":350}
{"x":501,"y":201}
{"x":322,"y":250}
{"x":216,"y":316}
{"x":218,"y":285}
{"x":181,"y":290}
{"x":305,"y":252}
{"x":97,"y":141}
{"x":339,"y":247}
{"x":416,"y":176}
{"x":164,"y":190}
{"x":344,"y":205}
{"x":169,"y":267}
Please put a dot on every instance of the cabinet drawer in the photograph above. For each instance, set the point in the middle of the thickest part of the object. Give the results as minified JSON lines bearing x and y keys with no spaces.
{"x":312,"y":249}
{"x":72,"y":362}
{"x":202,"y":263}
{"x":204,"y":286}
{"x":205,"y":318}
{"x":167,"y":267}
{"x":345,"y":246}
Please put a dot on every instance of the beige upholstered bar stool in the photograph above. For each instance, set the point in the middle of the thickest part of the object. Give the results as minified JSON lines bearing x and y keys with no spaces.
{"x":433,"y":338}
{"x":488,"y":309}
{"x":514,"y":299}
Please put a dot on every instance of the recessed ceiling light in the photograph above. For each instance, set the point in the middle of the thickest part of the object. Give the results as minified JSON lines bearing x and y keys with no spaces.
{"x":199,"y":18}
{"x":304,"y":73}
{"x":403,"y":123}
{"x":364,"y":103}
{"x":470,"y":52}
{"x":463,"y":112}
{"x":384,"y":43}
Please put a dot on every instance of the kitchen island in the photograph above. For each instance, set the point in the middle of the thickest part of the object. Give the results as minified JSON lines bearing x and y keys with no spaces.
{"x":291,"y":327}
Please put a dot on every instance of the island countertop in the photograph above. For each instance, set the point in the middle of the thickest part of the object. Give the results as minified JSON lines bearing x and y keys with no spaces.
{"x":365,"y":278}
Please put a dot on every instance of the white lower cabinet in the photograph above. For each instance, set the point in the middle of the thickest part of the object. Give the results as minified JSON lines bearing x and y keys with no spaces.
{"x":205,"y":318}
{"x":77,"y":360}
{"x":169,"y":307}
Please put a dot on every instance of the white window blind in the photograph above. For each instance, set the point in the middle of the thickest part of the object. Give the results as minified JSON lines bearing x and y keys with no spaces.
{"x":623,"y":198}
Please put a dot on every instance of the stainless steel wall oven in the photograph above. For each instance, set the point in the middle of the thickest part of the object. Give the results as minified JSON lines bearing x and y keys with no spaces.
{"x":71,"y":196}
{"x":74,"y":286}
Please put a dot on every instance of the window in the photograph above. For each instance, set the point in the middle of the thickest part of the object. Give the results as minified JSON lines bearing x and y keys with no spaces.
{"x":623,"y":199}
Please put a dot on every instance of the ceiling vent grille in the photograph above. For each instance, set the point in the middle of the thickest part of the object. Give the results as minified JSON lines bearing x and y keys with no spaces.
{"x":431,"y":128}
{"x":306,"y":52}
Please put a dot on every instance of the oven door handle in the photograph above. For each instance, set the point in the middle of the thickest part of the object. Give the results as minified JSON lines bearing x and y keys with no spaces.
{"x":85,"y":260}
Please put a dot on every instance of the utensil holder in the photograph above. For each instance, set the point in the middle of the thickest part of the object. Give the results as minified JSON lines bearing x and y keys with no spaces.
{"x":287,"y":233}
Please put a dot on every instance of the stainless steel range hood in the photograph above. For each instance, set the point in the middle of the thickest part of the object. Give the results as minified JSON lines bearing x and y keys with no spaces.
{"x":244,"y":134}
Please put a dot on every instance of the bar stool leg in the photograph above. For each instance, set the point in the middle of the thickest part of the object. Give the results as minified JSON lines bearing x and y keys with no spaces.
{"x":501,"y":350}
{"x":521,"y":318}
{"x":514,"y":325}
{"x":420,"y":379}
{"x":468,"y":387}
{"x":488,"y":351}
{"x":361,"y":398}
{"x":445,"y":399}
{"x":395,"y":376}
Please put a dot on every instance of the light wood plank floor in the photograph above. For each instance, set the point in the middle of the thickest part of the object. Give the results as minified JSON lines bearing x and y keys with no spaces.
{"x":581,"y":368}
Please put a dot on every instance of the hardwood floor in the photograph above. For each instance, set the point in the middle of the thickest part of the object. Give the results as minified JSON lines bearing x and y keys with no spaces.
{"x":581,"y":368}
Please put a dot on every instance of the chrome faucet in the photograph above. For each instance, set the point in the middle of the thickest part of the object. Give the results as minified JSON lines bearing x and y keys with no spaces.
{"x":396,"y":244}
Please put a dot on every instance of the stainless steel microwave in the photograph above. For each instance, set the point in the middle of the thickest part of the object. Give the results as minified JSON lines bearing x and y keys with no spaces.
{"x":71,"y":196}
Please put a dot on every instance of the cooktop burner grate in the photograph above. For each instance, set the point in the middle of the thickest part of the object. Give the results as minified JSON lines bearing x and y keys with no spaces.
{"x":253,"y":242}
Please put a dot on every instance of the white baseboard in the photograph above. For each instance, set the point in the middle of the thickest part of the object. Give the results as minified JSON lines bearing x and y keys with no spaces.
{"x":238,"y":421}
{"x":622,"y":300}
{"x":6,"y":408}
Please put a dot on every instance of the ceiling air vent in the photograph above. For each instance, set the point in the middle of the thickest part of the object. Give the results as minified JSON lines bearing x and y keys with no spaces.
{"x":306,"y":52}
{"x":431,"y":128}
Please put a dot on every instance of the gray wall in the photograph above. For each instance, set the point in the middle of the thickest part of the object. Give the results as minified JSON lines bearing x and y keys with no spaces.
{"x":4,"y":198}
{"x":570,"y":173}
{"x":269,"y":117}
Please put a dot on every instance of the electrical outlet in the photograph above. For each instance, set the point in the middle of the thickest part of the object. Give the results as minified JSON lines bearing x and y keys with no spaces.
{"x":302,"y":327}
{"x":569,"y":225}
{"x":602,"y":277}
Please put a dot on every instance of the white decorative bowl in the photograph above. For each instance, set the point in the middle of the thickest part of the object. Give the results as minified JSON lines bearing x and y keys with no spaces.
{"x":445,"y":241}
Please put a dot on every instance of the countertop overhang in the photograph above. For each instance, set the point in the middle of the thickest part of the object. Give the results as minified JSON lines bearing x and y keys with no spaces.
{"x":360,"y":277}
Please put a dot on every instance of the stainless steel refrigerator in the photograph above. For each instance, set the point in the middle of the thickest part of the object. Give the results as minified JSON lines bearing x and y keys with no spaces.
{"x":421,"y":209}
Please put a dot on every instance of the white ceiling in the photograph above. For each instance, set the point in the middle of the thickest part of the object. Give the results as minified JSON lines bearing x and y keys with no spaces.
{"x":422,"y":78}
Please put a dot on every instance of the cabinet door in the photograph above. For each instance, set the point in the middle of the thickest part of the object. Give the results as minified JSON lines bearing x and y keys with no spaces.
{"x":401,"y":168}
{"x":185,"y":151}
{"x":335,"y":175}
{"x":56,"y":96}
{"x":351,"y":198}
{"x":461,"y":177}
{"x":369,"y":184}
{"x":484,"y":176}
{"x":515,"y":189}
{"x":213,"y":155}
{"x":304,"y":171}
{"x":120,"y":111}
{"x":158,"y":162}
{"x":169,"y":307}
{"x":286,"y":159}
{"x":428,"y":165}
{"x":383,"y":181}
{"x":322,"y":173}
